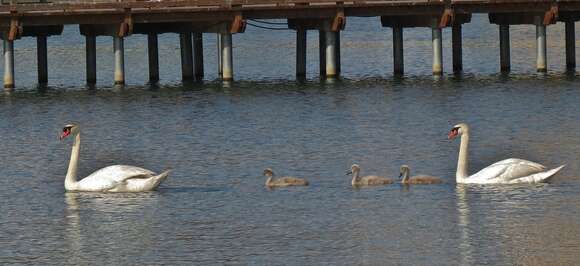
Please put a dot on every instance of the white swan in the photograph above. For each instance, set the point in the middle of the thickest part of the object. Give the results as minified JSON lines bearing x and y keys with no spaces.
{"x":114,"y":178}
{"x":508,"y":171}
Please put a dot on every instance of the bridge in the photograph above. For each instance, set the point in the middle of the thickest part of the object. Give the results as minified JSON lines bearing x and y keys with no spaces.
{"x":193,"y":18}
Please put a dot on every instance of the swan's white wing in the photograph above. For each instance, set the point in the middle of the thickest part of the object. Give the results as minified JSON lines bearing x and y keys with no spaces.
{"x":507,"y":170}
{"x":112,"y":176}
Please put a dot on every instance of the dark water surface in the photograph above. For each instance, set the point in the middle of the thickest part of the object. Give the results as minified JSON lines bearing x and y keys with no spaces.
{"x":218,"y":138}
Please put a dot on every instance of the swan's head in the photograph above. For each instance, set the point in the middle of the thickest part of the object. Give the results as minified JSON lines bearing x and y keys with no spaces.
{"x":405,"y":171}
{"x":69,"y":129}
{"x":268,"y":172}
{"x":353,"y":169}
{"x":457,"y":130}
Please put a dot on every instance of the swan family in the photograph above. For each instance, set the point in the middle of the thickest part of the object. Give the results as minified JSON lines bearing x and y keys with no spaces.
{"x":126,"y":178}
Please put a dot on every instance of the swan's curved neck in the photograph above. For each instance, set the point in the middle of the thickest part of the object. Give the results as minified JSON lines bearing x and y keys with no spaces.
{"x":355,"y":177}
{"x":70,"y":181}
{"x":462,"y":163}
{"x":269,"y":180}
{"x":405,"y":177}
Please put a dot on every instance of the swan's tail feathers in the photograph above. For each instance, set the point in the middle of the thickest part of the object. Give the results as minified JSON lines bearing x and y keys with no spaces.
{"x":542,"y":177}
{"x":161,"y":177}
{"x":551,"y":173}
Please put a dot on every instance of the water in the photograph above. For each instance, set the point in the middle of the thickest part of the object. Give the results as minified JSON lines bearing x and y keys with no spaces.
{"x":214,"y":209}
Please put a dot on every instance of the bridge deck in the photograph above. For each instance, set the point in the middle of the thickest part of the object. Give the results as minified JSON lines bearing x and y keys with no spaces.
{"x":102,"y":12}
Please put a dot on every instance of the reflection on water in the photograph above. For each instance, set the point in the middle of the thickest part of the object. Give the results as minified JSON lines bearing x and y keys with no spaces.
{"x":122,"y":221}
{"x":516,"y":225}
{"x":214,"y":208}
{"x":465,"y":244}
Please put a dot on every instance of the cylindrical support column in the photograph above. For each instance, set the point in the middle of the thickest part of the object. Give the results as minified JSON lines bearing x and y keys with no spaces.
{"x":456,"y":45}
{"x":42,"y":57}
{"x":541,"y":45}
{"x":219,"y":54}
{"x":186,"y":56}
{"x":398,"y":61}
{"x":570,"y":45}
{"x":301,"y":53}
{"x":331,"y":63}
{"x":322,"y":52}
{"x":119,"y":60}
{"x":8,"y":64}
{"x":338,"y":64}
{"x":504,"y":48}
{"x":198,"y":55}
{"x":153,"y":52}
{"x":227,"y":57}
{"x":437,"y":52}
{"x":91,"y":58}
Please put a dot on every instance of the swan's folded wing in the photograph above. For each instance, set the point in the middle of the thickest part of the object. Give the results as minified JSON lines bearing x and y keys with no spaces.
{"x":120,"y":173}
{"x":509,"y":169}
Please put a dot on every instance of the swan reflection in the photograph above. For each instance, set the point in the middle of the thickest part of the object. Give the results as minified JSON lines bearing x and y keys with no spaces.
{"x":123,"y":220}
{"x":465,"y":244}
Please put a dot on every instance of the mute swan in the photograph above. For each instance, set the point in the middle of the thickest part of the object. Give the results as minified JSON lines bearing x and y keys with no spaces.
{"x":371,"y":180}
{"x":284,"y":181}
{"x":417,"y":180}
{"x":114,"y":178}
{"x":508,"y":171}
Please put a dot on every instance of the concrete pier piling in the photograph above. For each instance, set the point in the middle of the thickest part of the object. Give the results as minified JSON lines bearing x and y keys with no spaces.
{"x":456,"y":47}
{"x":338,"y":64}
{"x":198,"y":55}
{"x":186,"y":56}
{"x":153,"y":54}
{"x":399,"y":67}
{"x":301,"y":53}
{"x":91,"y":58}
{"x":8,"y":64}
{"x":119,"y":60}
{"x":227,"y":57}
{"x":570,"y":45}
{"x":437,"y":51}
{"x":331,"y":62}
{"x":124,"y":18}
{"x":42,"y":59}
{"x":322,"y":52}
{"x":504,"y":48}
{"x":219,"y":54}
{"x":541,"y":65}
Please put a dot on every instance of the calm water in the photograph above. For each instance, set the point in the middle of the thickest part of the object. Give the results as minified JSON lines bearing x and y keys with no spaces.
{"x":214,"y":209}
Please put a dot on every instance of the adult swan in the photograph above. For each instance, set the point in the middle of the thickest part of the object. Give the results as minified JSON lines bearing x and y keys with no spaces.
{"x":508,"y":171}
{"x":114,"y":178}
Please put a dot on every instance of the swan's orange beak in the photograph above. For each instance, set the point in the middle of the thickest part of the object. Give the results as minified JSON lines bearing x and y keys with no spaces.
{"x":453,"y":133}
{"x":65,"y":133}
